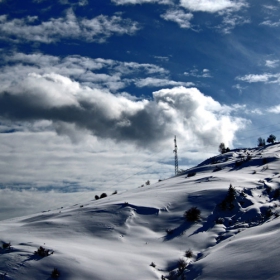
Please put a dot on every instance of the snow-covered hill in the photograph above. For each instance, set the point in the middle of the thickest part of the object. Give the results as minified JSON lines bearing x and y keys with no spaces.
{"x":143,"y":234}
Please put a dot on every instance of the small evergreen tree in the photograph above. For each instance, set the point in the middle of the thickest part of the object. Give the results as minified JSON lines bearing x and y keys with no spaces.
{"x":103,"y":195}
{"x":189,"y":254}
{"x":6,"y":245}
{"x":227,"y":203}
{"x":55,"y":273}
{"x":261,"y":142}
{"x":222,"y":147}
{"x":182,"y":264}
{"x":271,"y":139}
{"x":231,"y":194}
{"x":192,"y":215}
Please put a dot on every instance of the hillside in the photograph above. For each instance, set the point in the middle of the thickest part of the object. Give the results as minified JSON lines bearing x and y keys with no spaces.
{"x":143,"y":234}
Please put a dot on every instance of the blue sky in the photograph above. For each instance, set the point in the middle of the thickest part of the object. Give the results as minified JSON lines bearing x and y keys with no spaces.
{"x":93,"y":92}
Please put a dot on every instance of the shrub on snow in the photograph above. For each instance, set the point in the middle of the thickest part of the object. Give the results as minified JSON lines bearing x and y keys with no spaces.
{"x":103,"y":195}
{"x":192,"y":215}
{"x":55,"y":273}
{"x":189,"y":254}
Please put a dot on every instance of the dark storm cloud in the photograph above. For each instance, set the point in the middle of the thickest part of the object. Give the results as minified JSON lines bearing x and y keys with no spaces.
{"x":144,"y":126}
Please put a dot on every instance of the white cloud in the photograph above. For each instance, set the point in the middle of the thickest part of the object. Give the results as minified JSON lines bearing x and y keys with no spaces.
{"x":253,"y":78}
{"x":59,"y":99}
{"x":205,"y":73}
{"x":97,"y":29}
{"x":274,"y":109}
{"x":131,"y":67}
{"x":198,"y":116}
{"x":125,"y":2}
{"x":79,"y":2}
{"x":83,"y":2}
{"x":113,"y":75}
{"x":155,"y":82}
{"x":260,"y":78}
{"x":231,"y":21}
{"x":257,"y":112}
{"x":48,"y":90}
{"x":212,"y":6}
{"x":239,"y":88}
{"x":270,"y":7}
{"x":162,"y":58}
{"x":183,"y":19}
{"x":243,"y":109}
{"x":272,"y":63}
{"x":270,"y":23}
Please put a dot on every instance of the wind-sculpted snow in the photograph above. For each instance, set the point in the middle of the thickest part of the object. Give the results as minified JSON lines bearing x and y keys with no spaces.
{"x":142,"y":233}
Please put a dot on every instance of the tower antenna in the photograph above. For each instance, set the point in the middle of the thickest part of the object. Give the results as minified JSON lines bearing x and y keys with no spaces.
{"x":176,"y":156}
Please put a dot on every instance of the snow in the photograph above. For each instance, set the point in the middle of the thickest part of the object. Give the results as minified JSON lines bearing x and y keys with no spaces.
{"x":120,"y":236}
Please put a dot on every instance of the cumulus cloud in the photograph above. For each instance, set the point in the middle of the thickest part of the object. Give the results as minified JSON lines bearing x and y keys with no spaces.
{"x":97,"y":29}
{"x":199,"y":116}
{"x":65,"y":91}
{"x":57,"y":98}
{"x":212,"y":6}
{"x":183,"y":19}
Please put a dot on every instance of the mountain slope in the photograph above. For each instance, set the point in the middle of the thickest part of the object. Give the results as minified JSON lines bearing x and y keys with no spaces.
{"x":120,"y":236}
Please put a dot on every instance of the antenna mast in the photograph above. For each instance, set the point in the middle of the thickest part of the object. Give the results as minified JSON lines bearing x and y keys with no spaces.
{"x":176,"y":156}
